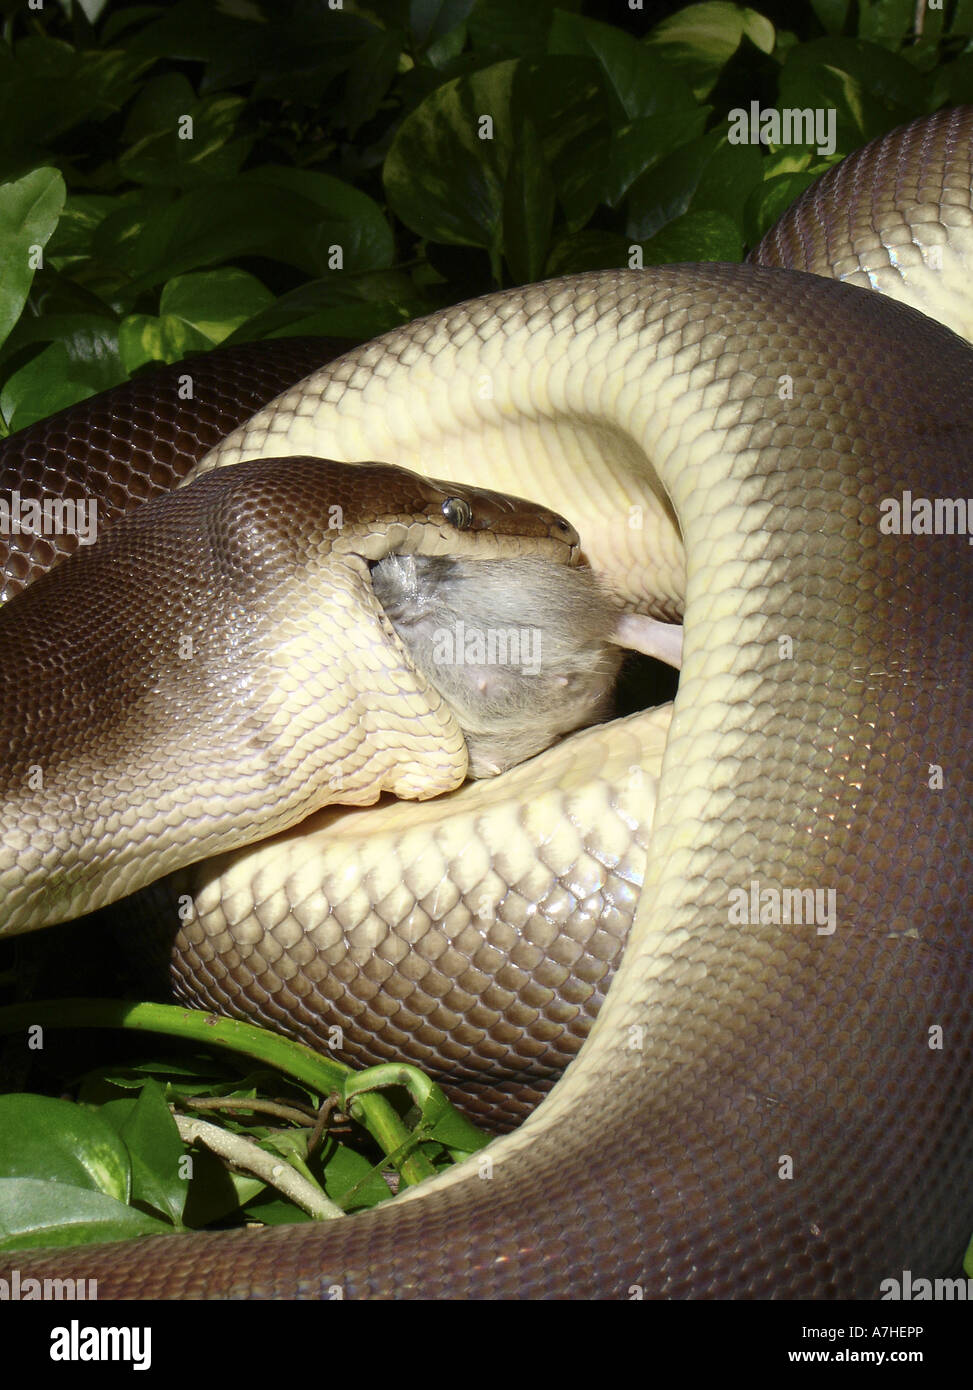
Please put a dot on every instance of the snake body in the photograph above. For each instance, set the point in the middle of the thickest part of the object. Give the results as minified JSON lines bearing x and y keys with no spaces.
{"x":228,"y":667}
{"x":763,"y":1107}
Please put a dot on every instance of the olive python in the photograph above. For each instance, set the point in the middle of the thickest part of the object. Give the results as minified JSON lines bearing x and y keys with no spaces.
{"x":764,"y":1107}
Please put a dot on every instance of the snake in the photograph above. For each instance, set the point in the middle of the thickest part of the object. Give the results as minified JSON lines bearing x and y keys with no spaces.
{"x":774,"y":1096}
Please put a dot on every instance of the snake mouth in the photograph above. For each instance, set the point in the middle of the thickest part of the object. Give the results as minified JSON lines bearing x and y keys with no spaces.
{"x":556,"y":546}
{"x":523,"y":651}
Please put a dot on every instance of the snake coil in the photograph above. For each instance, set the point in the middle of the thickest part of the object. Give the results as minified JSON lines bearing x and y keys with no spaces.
{"x":758,"y":1110}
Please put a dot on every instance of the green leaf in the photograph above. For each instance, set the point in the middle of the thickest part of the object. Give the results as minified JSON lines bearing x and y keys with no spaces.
{"x":654,"y":110}
{"x":144,"y":338}
{"x":206,"y":34}
{"x":340,"y":307}
{"x":701,"y":39}
{"x":446,"y":171}
{"x":832,"y":14}
{"x":83,"y":214}
{"x":641,"y":83}
{"x":29,"y":210}
{"x":370,"y":77}
{"x":445,"y":54}
{"x":343,"y":216}
{"x":888,"y":20}
{"x":68,"y":371}
{"x":195,"y":312}
{"x":952,"y":84}
{"x":768,"y":202}
{"x":706,"y":173}
{"x":790,"y":159}
{"x":215,"y":1193}
{"x":286,"y":214}
{"x":869,"y":88}
{"x":36,"y":1213}
{"x":431,"y":20}
{"x":588,"y":250}
{"x":161,"y":100}
{"x":698,"y":236}
{"x":157,"y":1153}
{"x":215,"y":301}
{"x":48,"y":88}
{"x":61,"y":1143}
{"x":565,"y":99}
{"x":759,"y":30}
{"x":443,"y":1124}
{"x":639,"y":146}
{"x":189,"y":147}
{"x":94,"y":259}
{"x":291,"y":54}
{"x":186,"y":1076}
{"x":352,"y":1181}
{"x":270,"y":1209}
{"x":503,"y":27}
{"x":87,"y":354}
{"x":89,"y":337}
{"x":961,"y":19}
{"x":528,"y":208}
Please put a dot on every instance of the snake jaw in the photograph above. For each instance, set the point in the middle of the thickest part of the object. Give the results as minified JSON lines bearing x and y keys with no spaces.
{"x":519,"y":648}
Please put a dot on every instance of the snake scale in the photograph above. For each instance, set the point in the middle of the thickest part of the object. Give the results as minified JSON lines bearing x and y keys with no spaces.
{"x":763,"y":1107}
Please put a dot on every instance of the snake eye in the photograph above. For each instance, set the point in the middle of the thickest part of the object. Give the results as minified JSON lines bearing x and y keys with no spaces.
{"x":458,"y":513}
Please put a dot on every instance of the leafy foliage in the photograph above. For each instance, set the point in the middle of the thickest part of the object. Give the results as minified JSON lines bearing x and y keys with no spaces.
{"x":174,"y":177}
{"x":117,"y":1164}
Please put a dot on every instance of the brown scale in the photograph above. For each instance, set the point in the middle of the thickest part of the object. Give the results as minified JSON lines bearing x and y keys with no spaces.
{"x":139,"y":439}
